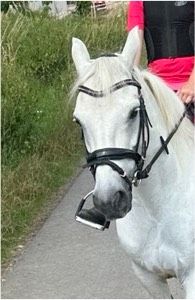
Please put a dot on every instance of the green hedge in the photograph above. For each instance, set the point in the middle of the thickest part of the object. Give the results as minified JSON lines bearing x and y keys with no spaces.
{"x":40,"y":144}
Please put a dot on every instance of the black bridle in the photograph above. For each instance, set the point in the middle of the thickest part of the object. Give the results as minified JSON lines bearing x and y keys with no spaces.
{"x":105,"y":156}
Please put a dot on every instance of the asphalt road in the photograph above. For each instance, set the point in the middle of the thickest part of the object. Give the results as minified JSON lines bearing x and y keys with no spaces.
{"x":69,"y":260}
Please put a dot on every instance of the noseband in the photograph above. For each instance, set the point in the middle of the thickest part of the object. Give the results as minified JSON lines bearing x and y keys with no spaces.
{"x":105,"y":156}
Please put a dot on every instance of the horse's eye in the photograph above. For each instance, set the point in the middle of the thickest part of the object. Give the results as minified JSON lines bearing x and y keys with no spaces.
{"x":133,"y":113}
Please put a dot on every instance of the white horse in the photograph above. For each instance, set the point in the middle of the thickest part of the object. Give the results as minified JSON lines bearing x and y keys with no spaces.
{"x":158,"y":232}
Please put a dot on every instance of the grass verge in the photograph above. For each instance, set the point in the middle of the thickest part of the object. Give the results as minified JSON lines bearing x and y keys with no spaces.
{"x":41,"y":145}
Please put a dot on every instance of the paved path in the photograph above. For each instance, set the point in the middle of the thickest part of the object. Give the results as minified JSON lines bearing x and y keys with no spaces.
{"x":69,"y":260}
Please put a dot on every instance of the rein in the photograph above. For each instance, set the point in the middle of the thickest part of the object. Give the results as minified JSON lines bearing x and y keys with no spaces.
{"x":105,"y":156}
{"x":145,"y":172}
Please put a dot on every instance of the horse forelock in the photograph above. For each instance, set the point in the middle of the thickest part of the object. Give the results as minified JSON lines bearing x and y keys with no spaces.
{"x":102,"y":73}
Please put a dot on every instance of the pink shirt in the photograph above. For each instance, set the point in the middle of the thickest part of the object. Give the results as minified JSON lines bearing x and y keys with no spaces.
{"x":174,"y":71}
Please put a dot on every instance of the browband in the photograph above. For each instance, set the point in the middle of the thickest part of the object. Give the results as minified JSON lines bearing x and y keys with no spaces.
{"x":115,"y":87}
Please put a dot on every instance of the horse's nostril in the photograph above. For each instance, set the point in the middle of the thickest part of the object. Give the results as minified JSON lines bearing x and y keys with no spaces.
{"x":119,"y":201}
{"x":95,"y":200}
{"x":98,"y":203}
{"x":113,"y":206}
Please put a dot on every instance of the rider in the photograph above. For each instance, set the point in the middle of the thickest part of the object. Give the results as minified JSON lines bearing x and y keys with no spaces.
{"x":168,"y":30}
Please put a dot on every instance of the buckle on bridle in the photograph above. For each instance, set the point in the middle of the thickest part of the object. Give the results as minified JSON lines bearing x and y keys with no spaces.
{"x":135,"y":181}
{"x":123,"y":175}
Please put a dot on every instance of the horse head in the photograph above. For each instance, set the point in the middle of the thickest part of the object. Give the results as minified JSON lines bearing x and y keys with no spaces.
{"x":109,"y":120}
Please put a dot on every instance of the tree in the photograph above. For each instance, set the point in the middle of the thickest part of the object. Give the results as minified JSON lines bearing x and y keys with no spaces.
{"x":17,"y":5}
{"x":83,"y":7}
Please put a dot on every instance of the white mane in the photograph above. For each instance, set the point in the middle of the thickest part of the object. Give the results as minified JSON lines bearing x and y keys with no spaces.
{"x":171,"y":109}
{"x":106,"y":71}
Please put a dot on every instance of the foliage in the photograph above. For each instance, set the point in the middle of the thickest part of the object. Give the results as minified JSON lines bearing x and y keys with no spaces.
{"x":46,"y":7}
{"x":47,"y":3}
{"x":40,"y":144}
{"x":17,"y":5}
{"x":83,"y":7}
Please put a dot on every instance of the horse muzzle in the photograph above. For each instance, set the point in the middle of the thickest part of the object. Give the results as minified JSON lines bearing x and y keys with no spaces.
{"x":113,"y":205}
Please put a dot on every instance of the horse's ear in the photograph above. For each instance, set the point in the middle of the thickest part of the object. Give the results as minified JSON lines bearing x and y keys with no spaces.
{"x":80,"y":55}
{"x":131,"y":47}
